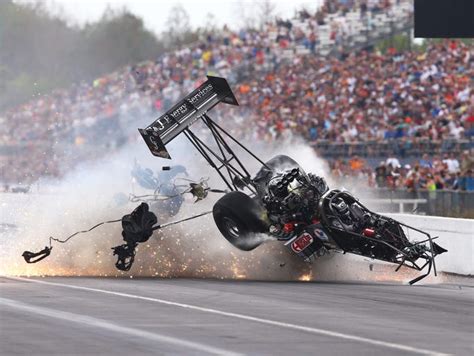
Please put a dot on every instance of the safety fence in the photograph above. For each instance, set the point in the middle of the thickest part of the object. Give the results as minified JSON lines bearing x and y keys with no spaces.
{"x":449,"y":203}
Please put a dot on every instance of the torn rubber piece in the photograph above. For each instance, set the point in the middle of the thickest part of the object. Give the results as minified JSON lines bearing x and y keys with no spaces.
{"x":138,"y":226}
{"x":33,"y":257}
{"x":125,"y":256}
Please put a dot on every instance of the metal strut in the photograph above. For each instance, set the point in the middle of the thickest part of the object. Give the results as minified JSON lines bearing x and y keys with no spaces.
{"x":235,"y":176}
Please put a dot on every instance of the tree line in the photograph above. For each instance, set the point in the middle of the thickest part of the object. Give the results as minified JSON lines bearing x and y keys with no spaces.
{"x":40,"y":51}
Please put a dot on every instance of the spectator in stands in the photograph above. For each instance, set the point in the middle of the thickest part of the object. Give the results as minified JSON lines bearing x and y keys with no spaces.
{"x":434,"y":177}
{"x":451,"y":162}
{"x":452,"y":181}
{"x":393,"y":161}
{"x":357,"y":164}
{"x":412,"y":178}
{"x":425,"y":162}
{"x":467,"y":167}
{"x":381,"y":175}
{"x":470,"y":180}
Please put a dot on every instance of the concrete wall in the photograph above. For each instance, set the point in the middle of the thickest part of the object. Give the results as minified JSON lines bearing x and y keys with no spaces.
{"x":455,"y":235}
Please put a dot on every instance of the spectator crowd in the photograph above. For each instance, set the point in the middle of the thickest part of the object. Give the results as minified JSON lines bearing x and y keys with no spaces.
{"x":363,"y":96}
{"x":436,"y":173}
{"x":367,"y":96}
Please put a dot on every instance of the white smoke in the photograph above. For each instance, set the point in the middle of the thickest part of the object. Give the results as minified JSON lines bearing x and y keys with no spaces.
{"x":86,"y":196}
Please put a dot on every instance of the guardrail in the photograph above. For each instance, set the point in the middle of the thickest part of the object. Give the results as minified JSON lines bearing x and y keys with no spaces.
{"x":449,"y":203}
{"x":402,"y":203}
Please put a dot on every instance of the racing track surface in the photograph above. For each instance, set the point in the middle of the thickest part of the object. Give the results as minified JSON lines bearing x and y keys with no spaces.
{"x":85,"y":316}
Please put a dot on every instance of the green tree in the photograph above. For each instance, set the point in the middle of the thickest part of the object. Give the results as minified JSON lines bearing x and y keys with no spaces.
{"x":178,"y":23}
{"x":266,"y":11}
{"x":40,"y":51}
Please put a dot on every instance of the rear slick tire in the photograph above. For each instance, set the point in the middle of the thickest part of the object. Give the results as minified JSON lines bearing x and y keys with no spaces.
{"x":239,"y":219}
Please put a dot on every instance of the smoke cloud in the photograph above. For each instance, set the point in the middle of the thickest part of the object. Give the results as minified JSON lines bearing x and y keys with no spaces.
{"x":88,"y":194}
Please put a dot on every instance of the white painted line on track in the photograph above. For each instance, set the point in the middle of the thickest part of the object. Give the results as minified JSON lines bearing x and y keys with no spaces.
{"x":312,"y":330}
{"x":103,"y":324}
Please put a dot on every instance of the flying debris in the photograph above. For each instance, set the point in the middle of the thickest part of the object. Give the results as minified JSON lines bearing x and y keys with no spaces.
{"x":198,"y":190}
{"x":168,"y":188}
{"x":167,"y":197}
{"x":137,"y":227}
{"x":33,"y":257}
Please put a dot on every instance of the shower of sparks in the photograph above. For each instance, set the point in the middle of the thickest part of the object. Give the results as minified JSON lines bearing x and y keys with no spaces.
{"x":306,"y":277}
{"x":192,"y":250}
{"x":187,"y":251}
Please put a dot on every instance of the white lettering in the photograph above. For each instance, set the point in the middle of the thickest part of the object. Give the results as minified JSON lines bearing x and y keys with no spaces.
{"x":202,"y":92}
{"x":161,"y":121}
{"x":179,"y":111}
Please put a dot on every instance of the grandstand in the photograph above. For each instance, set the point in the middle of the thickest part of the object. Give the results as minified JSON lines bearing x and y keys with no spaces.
{"x":350,"y":28}
{"x":317,"y":76}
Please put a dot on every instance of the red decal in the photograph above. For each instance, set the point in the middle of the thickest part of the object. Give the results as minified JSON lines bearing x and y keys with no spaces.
{"x":288,"y":227}
{"x":301,"y":242}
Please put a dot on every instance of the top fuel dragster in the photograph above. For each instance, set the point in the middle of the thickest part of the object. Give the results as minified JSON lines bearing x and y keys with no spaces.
{"x":280,"y":200}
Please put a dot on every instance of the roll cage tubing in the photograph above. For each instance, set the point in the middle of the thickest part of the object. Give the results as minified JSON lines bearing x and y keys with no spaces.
{"x":403,"y":257}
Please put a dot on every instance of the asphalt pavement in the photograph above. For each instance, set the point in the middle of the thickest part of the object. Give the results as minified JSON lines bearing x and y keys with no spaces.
{"x":92,"y":316}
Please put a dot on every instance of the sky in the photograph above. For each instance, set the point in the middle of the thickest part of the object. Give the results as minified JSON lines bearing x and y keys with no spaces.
{"x":155,"y":12}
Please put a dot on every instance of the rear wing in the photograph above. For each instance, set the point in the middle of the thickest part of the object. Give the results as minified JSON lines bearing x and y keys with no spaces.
{"x":185,"y":113}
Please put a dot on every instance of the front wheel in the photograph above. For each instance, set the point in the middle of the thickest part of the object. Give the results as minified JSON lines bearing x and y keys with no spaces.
{"x":239,"y":219}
